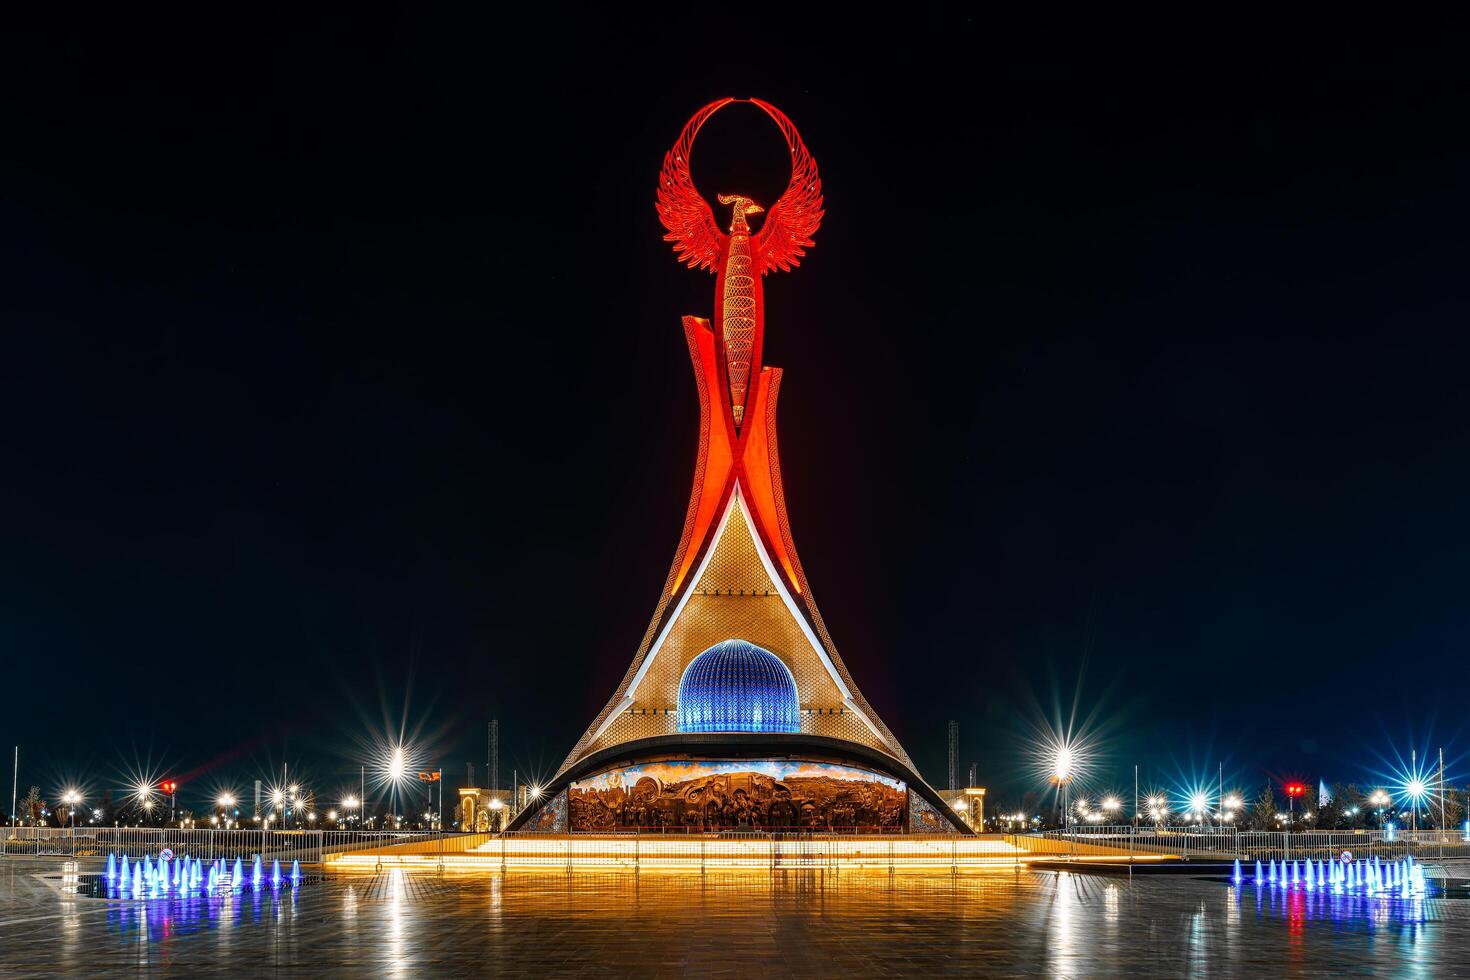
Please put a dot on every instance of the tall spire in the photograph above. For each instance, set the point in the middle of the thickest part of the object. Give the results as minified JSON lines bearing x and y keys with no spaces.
{"x":736,"y":599}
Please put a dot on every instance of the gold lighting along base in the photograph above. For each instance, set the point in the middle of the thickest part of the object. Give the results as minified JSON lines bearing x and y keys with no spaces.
{"x":889,"y":853}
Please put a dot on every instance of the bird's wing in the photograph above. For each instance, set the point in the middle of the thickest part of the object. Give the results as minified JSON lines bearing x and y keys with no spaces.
{"x":792,"y":220}
{"x":684,"y":212}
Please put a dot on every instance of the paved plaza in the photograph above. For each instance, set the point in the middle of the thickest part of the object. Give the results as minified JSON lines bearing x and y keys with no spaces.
{"x":1022,"y":923}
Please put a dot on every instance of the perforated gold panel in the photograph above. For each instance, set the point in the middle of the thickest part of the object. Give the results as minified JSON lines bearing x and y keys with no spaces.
{"x":734,"y":598}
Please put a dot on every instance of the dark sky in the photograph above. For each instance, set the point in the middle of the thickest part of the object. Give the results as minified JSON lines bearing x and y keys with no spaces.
{"x":343,"y":385}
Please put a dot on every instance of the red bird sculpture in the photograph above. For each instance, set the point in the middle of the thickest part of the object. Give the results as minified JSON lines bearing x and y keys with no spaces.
{"x":739,"y":258}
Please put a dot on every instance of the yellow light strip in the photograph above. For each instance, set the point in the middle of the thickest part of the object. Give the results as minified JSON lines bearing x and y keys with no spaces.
{"x":563,"y":853}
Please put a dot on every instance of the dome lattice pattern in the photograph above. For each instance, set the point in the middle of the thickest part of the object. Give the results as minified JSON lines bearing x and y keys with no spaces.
{"x":735,"y":686}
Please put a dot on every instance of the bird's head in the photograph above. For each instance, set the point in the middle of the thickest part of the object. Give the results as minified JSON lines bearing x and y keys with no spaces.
{"x":744,"y":206}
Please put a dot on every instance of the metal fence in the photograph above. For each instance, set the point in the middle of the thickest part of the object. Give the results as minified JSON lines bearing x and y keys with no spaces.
{"x":1265,"y":845}
{"x":306,"y":846}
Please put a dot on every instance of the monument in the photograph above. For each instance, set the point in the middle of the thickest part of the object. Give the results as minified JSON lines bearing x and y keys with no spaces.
{"x":737,"y":711}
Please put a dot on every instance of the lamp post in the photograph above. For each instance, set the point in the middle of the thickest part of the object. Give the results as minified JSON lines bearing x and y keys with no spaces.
{"x":1379,"y":799}
{"x":1416,"y":791}
{"x":224,"y":801}
{"x":71,"y":798}
{"x":1293,"y":790}
{"x":170,"y":787}
{"x":1061,"y":777}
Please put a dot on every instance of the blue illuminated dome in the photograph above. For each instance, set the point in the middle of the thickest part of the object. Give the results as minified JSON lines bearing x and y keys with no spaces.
{"x":736,"y":686}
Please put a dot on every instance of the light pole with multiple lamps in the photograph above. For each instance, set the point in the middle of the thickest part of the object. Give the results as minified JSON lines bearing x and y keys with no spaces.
{"x":225,"y":801}
{"x":1379,"y":799}
{"x":71,"y":798}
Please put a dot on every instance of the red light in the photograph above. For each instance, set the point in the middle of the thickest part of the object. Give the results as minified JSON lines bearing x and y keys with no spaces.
{"x":1295,"y":790}
{"x":168,"y":786}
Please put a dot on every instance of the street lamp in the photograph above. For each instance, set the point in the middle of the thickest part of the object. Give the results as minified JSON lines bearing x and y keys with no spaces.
{"x":497,"y":805}
{"x":1379,"y":799}
{"x":171,"y":787}
{"x":1061,"y":777}
{"x":71,"y":798}
{"x":224,"y":801}
{"x":1293,"y":792}
{"x":1415,"y":789}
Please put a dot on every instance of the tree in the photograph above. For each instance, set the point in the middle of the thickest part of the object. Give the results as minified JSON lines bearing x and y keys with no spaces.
{"x":1353,"y":799}
{"x":1331,"y":813}
{"x":1263,"y":810}
{"x":1305,"y":807}
{"x":31,"y":805}
{"x":1454,"y":806}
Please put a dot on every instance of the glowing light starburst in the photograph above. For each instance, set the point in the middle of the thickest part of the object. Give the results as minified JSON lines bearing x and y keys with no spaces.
{"x":394,"y":765}
{"x":1061,"y":761}
{"x":1413,"y":785}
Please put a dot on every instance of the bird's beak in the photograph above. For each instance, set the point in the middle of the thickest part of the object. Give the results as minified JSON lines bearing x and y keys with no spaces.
{"x":753,"y":208}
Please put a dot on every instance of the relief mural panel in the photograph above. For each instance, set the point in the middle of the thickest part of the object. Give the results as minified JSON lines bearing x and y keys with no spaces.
{"x":688,"y":796}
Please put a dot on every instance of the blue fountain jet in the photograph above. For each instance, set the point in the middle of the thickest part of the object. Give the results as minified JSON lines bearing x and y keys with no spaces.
{"x":275,"y":874}
{"x":296,"y":873}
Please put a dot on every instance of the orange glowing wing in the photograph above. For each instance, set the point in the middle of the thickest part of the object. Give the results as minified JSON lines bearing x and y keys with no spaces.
{"x":684,"y":212}
{"x":792,"y":220}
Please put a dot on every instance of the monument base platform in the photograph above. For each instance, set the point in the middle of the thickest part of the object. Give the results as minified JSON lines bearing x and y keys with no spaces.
{"x":566,"y":853}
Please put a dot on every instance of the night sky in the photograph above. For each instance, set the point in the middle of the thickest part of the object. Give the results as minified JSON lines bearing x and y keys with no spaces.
{"x":344,"y":390}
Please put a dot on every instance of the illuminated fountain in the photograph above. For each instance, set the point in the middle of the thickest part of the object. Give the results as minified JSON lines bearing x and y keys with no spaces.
{"x":185,"y":875}
{"x":1368,"y":877}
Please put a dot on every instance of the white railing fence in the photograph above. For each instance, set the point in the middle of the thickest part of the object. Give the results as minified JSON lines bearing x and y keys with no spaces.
{"x":306,"y":846}
{"x":1267,"y":845}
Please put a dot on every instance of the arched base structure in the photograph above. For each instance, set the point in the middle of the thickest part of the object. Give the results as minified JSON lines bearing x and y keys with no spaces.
{"x":693,"y":783}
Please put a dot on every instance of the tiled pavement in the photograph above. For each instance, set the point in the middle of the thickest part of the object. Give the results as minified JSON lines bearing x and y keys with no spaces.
{"x":799,"y":924}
